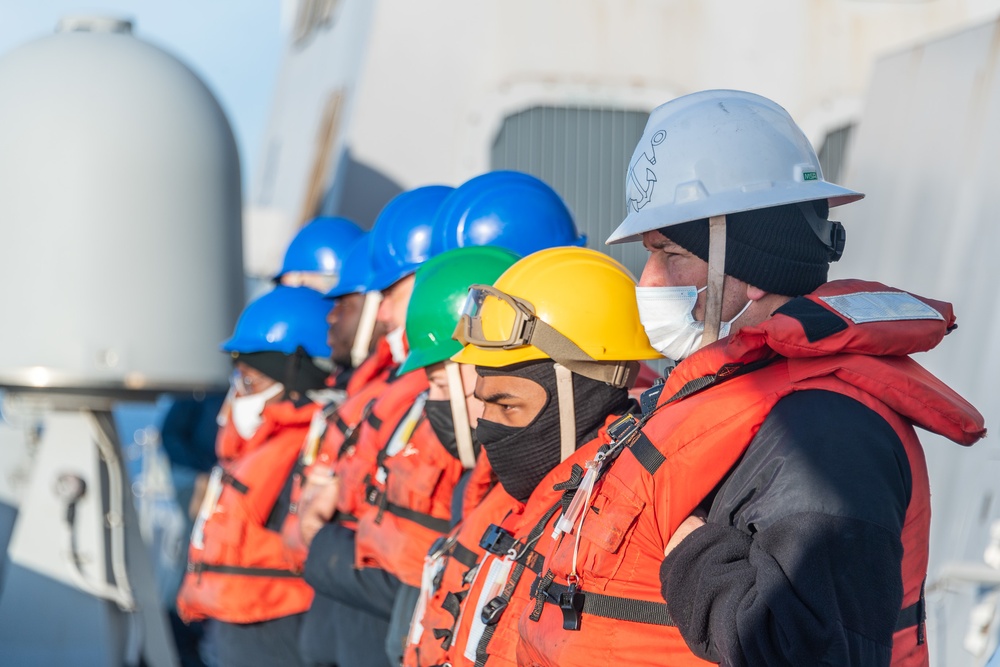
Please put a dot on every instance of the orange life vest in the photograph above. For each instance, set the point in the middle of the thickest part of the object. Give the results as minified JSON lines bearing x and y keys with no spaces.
{"x":357,"y":465}
{"x":448,"y":571}
{"x":486,"y":633}
{"x":692,"y":443}
{"x":412,"y":493}
{"x":239,"y":571}
{"x":337,"y":431}
{"x":481,"y":482}
{"x":375,"y":368}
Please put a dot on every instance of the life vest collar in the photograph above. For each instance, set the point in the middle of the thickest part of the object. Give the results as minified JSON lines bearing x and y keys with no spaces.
{"x":861,"y":332}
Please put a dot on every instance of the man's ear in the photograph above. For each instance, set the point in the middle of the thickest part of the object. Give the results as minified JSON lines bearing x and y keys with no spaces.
{"x":755,"y":293}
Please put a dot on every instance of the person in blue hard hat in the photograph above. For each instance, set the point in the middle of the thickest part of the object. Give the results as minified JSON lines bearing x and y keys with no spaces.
{"x":239,"y":571}
{"x":316,"y":254}
{"x":509,"y":209}
{"x":354,"y":331}
{"x":343,"y":626}
{"x":401,"y":241}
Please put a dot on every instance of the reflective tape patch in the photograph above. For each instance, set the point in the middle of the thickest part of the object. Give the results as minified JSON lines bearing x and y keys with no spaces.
{"x":862,"y":307}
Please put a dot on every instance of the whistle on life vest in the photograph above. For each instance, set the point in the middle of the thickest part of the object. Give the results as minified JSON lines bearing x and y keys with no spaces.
{"x":571,"y":604}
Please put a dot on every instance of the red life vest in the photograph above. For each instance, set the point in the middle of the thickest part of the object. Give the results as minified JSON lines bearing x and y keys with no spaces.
{"x":357,"y":465}
{"x":638,"y":503}
{"x":242,"y":572}
{"x":527,"y":529}
{"x":411,"y":493}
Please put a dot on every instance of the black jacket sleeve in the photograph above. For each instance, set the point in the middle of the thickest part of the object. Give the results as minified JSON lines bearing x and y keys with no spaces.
{"x":330,"y":571}
{"x":799,"y":563}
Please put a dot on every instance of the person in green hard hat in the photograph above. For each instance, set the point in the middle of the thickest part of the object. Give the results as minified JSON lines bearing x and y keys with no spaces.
{"x":408,"y":499}
{"x":416,"y":482}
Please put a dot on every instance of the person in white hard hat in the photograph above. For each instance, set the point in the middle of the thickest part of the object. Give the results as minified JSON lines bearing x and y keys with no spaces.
{"x":771,"y":507}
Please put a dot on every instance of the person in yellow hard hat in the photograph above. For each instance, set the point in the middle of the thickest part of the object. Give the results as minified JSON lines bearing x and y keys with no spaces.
{"x":556,"y":342}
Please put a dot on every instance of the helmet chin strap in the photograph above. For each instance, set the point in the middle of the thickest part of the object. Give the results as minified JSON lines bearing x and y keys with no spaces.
{"x":567,"y":411}
{"x":460,"y":415}
{"x":366,"y":328}
{"x":716,"y":278}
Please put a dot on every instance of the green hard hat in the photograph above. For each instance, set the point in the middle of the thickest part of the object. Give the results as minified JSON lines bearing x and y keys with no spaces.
{"x":439,"y":292}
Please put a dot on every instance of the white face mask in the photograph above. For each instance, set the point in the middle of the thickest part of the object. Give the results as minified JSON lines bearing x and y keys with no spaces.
{"x":667,"y":315}
{"x":245,"y":411}
{"x":396,"y":344}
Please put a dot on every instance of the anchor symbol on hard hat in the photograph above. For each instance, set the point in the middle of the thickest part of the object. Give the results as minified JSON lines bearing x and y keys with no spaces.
{"x":640,"y":189}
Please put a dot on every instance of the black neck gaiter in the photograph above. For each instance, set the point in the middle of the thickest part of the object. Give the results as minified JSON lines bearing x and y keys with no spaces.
{"x":522,"y":456}
{"x":443,"y":423}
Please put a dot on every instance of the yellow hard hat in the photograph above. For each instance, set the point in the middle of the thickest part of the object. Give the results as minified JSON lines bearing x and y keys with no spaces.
{"x":573,"y":305}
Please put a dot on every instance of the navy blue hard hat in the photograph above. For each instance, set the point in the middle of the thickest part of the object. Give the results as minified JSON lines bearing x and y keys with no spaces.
{"x":282,"y":320}
{"x":356,"y":272}
{"x":401,"y":237}
{"x":509,"y":209}
{"x":320,"y":247}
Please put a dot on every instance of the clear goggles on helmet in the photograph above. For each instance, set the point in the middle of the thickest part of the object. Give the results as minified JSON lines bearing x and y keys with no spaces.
{"x":512,"y":323}
{"x":511,"y":327}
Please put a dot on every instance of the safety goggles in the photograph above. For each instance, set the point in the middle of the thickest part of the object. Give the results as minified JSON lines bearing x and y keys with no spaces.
{"x":511,"y":322}
{"x":249,"y":383}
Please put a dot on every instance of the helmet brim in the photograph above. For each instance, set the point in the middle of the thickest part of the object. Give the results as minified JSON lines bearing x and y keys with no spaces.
{"x":646,"y":220}
{"x":418,"y":359}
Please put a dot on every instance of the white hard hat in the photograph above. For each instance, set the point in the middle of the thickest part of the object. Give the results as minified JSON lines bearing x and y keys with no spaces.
{"x":718,"y":152}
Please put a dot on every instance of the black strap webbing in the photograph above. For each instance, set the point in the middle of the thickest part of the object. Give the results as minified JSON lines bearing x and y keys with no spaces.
{"x":375,"y":496}
{"x":452,"y":604}
{"x":351,"y":433}
{"x":463,"y":555}
{"x":647,"y":454}
{"x":198,"y":568}
{"x":426,"y":520}
{"x":914,"y":616}
{"x":609,"y":606}
{"x":235,"y":483}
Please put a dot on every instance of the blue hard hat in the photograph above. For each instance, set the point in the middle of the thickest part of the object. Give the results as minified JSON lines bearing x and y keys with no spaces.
{"x":401,"y":237}
{"x":356,"y":272}
{"x":282,"y":320}
{"x":509,"y":209}
{"x":320,"y":247}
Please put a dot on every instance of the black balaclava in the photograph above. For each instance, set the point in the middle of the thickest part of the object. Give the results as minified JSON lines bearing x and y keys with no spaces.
{"x":443,"y":422}
{"x":522,"y":456}
{"x":298,"y":372}
{"x":774,"y":248}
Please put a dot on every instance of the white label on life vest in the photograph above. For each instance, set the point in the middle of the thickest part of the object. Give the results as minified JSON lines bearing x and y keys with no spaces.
{"x":317,"y":427}
{"x":432,"y":567}
{"x":211,"y":498}
{"x":862,"y":307}
{"x":496,"y":579}
{"x":402,"y":434}
{"x":404,"y":430}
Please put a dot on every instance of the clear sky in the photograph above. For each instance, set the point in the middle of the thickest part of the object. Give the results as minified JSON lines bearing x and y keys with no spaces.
{"x":234,"y":45}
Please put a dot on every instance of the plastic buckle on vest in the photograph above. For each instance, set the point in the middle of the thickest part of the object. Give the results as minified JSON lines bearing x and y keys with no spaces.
{"x":373,"y":496}
{"x":493,"y":540}
{"x":571,"y":604}
{"x":493,"y":610}
{"x":622,"y":432}
{"x":838,"y":237}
